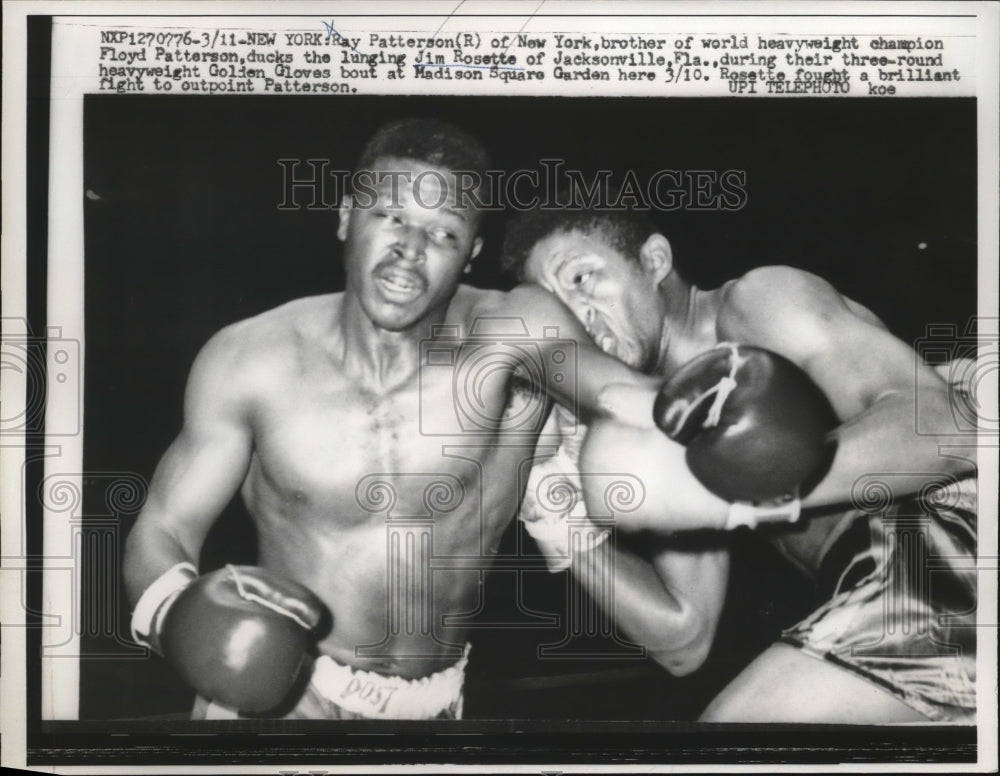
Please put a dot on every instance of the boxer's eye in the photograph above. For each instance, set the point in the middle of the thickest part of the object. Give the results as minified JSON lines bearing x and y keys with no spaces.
{"x":581,"y":277}
{"x":391,"y":218}
{"x":441,"y":235}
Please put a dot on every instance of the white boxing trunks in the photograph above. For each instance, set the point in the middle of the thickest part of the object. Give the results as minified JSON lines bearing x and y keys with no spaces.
{"x":336,"y":691}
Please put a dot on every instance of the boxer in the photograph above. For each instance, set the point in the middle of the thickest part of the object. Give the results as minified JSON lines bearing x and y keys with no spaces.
{"x":336,"y":418}
{"x":883,"y":645}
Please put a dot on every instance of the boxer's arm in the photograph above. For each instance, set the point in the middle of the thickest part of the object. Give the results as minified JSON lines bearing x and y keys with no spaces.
{"x":663,"y":596}
{"x":670,"y":603}
{"x":199,"y":473}
{"x":599,"y":385}
{"x":873,"y":379}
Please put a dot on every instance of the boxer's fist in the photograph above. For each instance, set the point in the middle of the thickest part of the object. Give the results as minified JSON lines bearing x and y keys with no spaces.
{"x":756,"y":427}
{"x":240,"y":635}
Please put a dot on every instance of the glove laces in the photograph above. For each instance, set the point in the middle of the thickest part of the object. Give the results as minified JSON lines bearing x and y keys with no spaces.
{"x":251,"y":596}
{"x":721,"y":390}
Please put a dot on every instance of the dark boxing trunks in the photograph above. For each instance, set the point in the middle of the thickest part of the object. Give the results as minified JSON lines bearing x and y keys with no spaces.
{"x":902,"y":606}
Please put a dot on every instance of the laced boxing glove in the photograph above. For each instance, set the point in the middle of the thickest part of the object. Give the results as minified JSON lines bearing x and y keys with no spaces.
{"x":755,"y":426}
{"x":240,"y":635}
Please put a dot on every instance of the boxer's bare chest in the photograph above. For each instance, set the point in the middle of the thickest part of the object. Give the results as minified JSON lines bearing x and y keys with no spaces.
{"x":332,"y":454}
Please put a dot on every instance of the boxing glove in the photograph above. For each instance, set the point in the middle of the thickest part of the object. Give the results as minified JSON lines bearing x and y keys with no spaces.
{"x":240,"y":635}
{"x":755,"y":426}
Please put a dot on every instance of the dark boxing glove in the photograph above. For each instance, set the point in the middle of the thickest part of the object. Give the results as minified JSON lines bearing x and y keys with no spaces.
{"x":755,"y":426}
{"x":239,"y":635}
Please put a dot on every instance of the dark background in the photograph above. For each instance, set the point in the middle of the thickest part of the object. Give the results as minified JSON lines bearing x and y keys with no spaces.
{"x":183,"y":235}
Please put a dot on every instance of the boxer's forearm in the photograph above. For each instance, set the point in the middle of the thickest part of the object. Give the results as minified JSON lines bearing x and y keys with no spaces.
{"x":149,"y":552}
{"x":576,"y":372}
{"x":883,"y":440}
{"x":604,"y":387}
{"x":642,"y":476}
{"x":629,"y":402}
{"x":649,"y":607}
{"x":194,"y":481}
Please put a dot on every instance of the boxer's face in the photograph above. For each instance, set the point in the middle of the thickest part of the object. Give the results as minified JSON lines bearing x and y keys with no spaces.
{"x":614,"y":298}
{"x":406,"y":241}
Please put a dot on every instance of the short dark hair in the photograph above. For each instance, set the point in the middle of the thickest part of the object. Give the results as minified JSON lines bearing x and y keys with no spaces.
{"x":437,"y":142}
{"x":624,"y":230}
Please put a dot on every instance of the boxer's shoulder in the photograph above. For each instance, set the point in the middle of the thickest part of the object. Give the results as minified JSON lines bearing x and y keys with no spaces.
{"x":773,"y":282}
{"x":769,"y":305}
{"x":303,"y":316}
{"x":786,"y":299}
{"x":526,"y":309}
{"x":250,"y":349}
{"x":470,"y":303}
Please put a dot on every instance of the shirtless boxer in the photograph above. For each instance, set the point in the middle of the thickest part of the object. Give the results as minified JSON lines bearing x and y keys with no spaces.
{"x":890,"y":642}
{"x":336,"y":418}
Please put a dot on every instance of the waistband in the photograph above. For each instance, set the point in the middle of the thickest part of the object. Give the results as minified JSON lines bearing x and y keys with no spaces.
{"x":389,"y":697}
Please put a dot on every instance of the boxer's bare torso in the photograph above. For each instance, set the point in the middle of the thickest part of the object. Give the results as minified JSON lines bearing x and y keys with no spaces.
{"x":355,"y":492}
{"x":348,"y":443}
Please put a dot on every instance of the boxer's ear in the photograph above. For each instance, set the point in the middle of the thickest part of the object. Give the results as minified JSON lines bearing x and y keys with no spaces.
{"x":345,"y":217}
{"x":656,"y":257}
{"x":477,"y":246}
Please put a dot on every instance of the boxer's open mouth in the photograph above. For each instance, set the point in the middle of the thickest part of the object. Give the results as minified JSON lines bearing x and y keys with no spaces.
{"x":603,"y":340}
{"x":399,"y":284}
{"x":610,"y":344}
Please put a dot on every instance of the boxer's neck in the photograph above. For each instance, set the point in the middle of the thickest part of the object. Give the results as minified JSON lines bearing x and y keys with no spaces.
{"x":689,"y":323}
{"x":382,"y":358}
